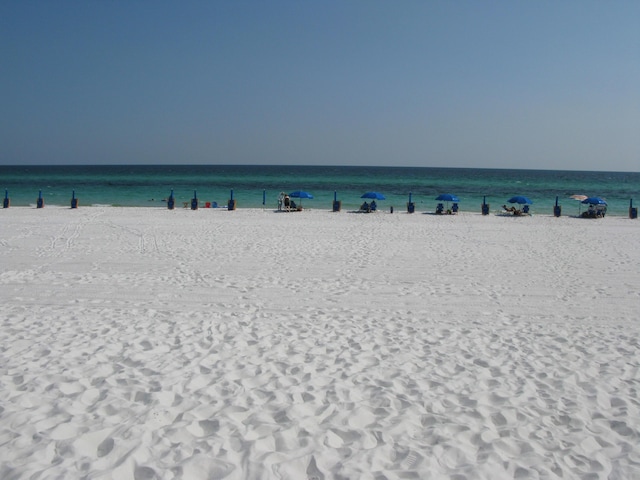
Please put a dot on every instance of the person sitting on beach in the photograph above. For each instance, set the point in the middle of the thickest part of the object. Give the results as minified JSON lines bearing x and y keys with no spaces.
{"x":590,"y":213}
{"x":510,"y":209}
{"x":364,"y":207}
{"x":287,"y":202}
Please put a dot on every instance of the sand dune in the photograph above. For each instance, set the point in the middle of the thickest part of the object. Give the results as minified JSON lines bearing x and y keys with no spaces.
{"x":145,"y":343}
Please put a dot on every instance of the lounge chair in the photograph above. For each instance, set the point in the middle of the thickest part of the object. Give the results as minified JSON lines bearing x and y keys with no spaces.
{"x":295,"y":207}
{"x":374,"y":206}
{"x":525,"y":210}
{"x":454,"y":208}
{"x":439,"y":209}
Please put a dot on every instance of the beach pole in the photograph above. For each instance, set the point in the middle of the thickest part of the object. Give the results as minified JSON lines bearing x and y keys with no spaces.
{"x":6,"y":202}
{"x":336,"y":204}
{"x":485,"y":206}
{"x":264,"y":198}
{"x":171,"y":202}
{"x":411,"y":207}
{"x":557,"y":209}
{"x":231,"y":205}
{"x":194,"y":201}
{"x":633,"y":211}
{"x":74,"y":200}
{"x":40,"y":201}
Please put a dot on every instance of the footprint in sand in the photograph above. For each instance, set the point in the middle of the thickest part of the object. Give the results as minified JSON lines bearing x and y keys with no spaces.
{"x":313,"y":473}
{"x":144,"y":473}
{"x":105,"y":447}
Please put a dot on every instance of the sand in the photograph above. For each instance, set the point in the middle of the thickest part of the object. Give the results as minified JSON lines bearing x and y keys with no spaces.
{"x":141,"y":343}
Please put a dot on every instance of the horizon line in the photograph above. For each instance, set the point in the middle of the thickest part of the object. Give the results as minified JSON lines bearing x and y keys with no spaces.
{"x":302,"y":165}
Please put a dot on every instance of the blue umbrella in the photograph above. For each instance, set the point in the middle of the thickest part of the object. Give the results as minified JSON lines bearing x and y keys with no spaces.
{"x":447,"y":197}
{"x":373,"y":195}
{"x":594,"y":201}
{"x":522,"y":200}
{"x":300,"y":194}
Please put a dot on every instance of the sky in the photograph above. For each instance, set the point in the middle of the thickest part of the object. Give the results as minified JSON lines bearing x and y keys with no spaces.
{"x":483,"y":84}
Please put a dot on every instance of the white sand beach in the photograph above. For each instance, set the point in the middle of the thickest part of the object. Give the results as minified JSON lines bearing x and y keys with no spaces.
{"x":143,"y":343}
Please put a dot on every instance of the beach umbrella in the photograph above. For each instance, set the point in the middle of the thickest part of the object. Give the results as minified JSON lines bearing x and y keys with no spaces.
{"x":300,"y":194}
{"x":373,"y":196}
{"x":520,"y":199}
{"x":594,"y":201}
{"x":447,"y":197}
{"x":580,"y":198}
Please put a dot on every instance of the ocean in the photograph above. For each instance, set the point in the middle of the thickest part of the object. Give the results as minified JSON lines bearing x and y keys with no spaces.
{"x":257,"y":186}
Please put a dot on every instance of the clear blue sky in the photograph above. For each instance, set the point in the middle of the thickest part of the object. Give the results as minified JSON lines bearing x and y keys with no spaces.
{"x":496,"y":84}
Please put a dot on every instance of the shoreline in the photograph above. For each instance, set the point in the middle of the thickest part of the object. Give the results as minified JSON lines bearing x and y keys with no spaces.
{"x":381,"y":210}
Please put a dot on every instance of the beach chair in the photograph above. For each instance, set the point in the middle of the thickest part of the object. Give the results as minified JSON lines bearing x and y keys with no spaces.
{"x":454,"y":208}
{"x":439,"y":209}
{"x":365,"y":208}
{"x":373,"y":207}
{"x":525,"y":210}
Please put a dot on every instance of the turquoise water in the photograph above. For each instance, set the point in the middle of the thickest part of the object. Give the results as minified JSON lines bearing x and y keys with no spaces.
{"x":147,"y":186}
